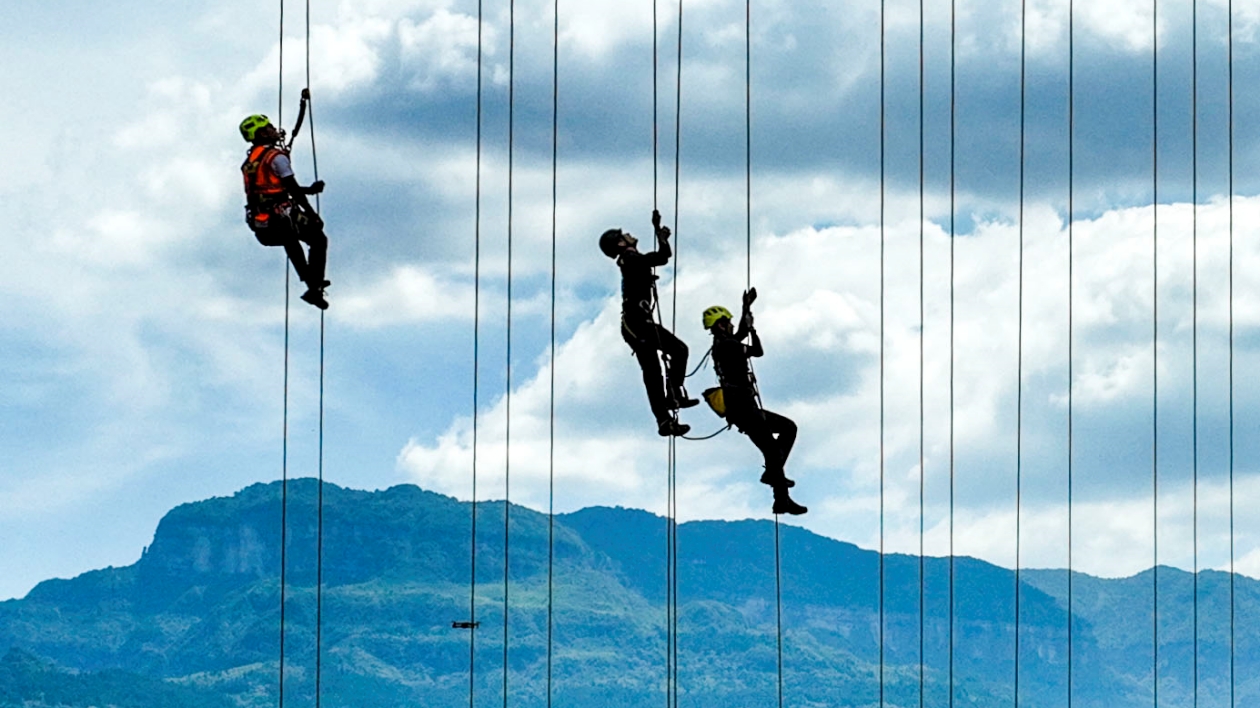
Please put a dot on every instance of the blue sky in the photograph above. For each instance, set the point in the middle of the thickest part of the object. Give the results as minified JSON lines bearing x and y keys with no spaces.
{"x":142,"y":333}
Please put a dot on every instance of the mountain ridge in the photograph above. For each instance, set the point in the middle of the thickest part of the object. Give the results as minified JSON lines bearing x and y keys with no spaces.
{"x":201,"y":607}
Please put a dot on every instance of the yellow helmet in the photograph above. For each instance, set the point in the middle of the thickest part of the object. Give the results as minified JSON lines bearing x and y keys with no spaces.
{"x":251,"y":125}
{"x":715,"y":313}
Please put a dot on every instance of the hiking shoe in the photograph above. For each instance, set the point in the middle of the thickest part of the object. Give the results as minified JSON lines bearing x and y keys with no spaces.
{"x":776,"y":479}
{"x":679,"y":399}
{"x":785,"y":505}
{"x":316,"y":298}
{"x":669,"y":427}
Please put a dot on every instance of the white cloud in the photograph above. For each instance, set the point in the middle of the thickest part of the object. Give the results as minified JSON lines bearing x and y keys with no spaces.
{"x":819,"y":318}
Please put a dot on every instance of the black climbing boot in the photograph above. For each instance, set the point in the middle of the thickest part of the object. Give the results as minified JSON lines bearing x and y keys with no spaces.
{"x":776,"y":478}
{"x":678,"y":398}
{"x":783,"y":503}
{"x":316,"y":298}
{"x":669,"y":427}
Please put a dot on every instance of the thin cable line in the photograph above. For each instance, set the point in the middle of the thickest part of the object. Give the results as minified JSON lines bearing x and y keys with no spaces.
{"x":1019,"y":367}
{"x":551,"y":432}
{"x":882,"y":89}
{"x":284,"y":486}
{"x":952,"y":234}
{"x":673,"y":454}
{"x":284,"y":465}
{"x":1194,"y":239}
{"x":507,"y":435}
{"x":1071,"y":219}
{"x":472,"y":546}
{"x":319,"y":533}
{"x":1230,"y":52}
{"x":922,"y":473}
{"x":1155,"y":351}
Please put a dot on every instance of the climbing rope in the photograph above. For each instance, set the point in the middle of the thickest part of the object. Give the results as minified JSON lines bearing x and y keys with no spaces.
{"x":778,"y":575}
{"x":284,"y":465}
{"x":672,"y":558}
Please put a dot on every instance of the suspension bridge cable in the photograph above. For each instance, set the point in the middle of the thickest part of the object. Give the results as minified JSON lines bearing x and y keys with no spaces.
{"x":778,"y":573}
{"x":1194,"y":240}
{"x":472,"y":546}
{"x":952,"y":234}
{"x":1230,"y":54}
{"x":882,"y":88}
{"x":1155,"y":351}
{"x":284,"y":465}
{"x":507,"y":435}
{"x":673,"y":451}
{"x":1019,"y":366}
{"x":922,"y":474}
{"x":551,"y":432}
{"x":1071,"y":216}
{"x":319,"y":533}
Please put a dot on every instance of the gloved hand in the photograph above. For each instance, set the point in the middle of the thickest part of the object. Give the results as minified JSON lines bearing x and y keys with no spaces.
{"x":749,"y":296}
{"x":662,"y":232}
{"x":317,"y":187}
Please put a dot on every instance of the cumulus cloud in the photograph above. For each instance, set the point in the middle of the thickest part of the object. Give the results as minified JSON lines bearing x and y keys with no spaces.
{"x":819,"y":315}
{"x":147,"y":323}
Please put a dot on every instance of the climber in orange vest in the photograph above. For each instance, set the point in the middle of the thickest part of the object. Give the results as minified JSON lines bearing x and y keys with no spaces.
{"x":276,"y":207}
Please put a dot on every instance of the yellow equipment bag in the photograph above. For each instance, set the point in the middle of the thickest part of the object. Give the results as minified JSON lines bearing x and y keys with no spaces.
{"x":713,"y":396}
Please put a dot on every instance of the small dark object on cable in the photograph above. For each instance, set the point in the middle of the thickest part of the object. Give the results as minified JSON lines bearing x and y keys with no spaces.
{"x":465,"y":625}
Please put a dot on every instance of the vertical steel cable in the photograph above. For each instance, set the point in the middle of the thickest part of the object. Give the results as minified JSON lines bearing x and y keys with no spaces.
{"x":551,"y":432}
{"x":922,"y":475}
{"x":1230,"y":53}
{"x":778,"y":579}
{"x":284,"y":464}
{"x":952,"y":234}
{"x":507,"y":435}
{"x":319,"y":533}
{"x":1155,"y":350}
{"x":1071,"y":219}
{"x":673,"y":441}
{"x":882,"y":13}
{"x":1194,"y":239}
{"x":1019,"y":366}
{"x":472,"y":546}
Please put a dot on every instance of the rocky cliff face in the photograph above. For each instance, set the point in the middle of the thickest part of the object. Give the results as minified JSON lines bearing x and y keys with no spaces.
{"x":202,"y":606}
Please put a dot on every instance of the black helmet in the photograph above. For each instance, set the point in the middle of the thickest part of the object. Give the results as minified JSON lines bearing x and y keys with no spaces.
{"x":609,"y":243}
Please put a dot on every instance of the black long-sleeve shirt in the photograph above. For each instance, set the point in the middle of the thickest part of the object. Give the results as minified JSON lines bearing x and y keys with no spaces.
{"x":638,"y":281}
{"x":730,"y":360}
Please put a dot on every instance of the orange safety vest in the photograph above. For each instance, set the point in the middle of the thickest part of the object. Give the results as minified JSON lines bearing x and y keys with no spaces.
{"x":263,"y":189}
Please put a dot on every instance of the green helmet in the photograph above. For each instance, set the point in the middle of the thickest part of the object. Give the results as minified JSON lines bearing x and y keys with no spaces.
{"x":715,"y":313}
{"x":251,"y":125}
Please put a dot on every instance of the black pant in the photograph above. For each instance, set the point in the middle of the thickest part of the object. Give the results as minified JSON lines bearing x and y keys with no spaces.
{"x":646,"y":338}
{"x":772,"y":433}
{"x":288,"y":232}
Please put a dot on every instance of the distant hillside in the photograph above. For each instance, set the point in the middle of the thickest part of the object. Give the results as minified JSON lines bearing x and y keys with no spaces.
{"x":28,"y":682}
{"x":199,"y":612}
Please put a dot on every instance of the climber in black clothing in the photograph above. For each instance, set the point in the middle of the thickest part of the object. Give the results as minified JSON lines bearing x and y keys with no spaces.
{"x":639,"y":327}
{"x":772,"y":433}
